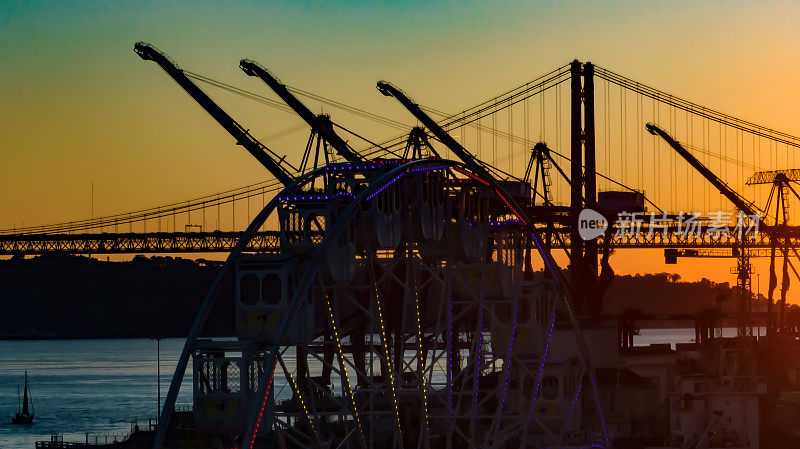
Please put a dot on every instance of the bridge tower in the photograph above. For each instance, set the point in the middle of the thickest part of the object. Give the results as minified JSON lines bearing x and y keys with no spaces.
{"x":583,"y":185}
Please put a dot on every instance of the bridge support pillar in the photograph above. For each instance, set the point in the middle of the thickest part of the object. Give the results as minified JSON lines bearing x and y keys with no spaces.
{"x":590,"y":171}
{"x":577,"y":269}
{"x":583,"y":187}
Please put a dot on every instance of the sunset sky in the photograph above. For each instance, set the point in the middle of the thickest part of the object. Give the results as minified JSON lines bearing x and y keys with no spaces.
{"x":79,"y":108}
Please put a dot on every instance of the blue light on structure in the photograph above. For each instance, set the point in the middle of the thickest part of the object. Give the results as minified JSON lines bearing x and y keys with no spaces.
{"x":544,"y":356}
{"x":504,"y":222}
{"x":396,"y":178}
{"x":600,"y":410}
{"x":298,"y":198}
{"x":450,"y":356}
{"x":480,"y":346}
{"x":510,"y":352}
{"x":539,"y":245}
{"x":574,"y":401}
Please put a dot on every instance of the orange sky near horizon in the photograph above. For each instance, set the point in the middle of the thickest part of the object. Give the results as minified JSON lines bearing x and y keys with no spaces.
{"x":79,"y":109}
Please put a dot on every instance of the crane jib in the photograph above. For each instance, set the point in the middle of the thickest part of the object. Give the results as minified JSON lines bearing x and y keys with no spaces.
{"x":389,"y":90}
{"x":737,"y":200}
{"x":320,"y":123}
{"x":239,"y":133}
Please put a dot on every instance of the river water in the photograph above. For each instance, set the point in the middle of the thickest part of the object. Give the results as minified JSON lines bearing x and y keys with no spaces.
{"x":99,"y":386}
{"x":84,"y":386}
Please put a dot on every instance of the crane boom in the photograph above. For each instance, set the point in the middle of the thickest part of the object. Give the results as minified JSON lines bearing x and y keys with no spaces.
{"x":390,"y":90}
{"x":263,"y":154}
{"x":320,"y":123}
{"x":769,"y":177}
{"x":740,"y":202}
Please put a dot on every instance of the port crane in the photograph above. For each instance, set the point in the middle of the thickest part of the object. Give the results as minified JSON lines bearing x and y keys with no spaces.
{"x":321,"y":124}
{"x":539,"y":164}
{"x":390,"y":90}
{"x":740,"y":202}
{"x":781,"y":181}
{"x":269,"y":159}
{"x":777,"y":232}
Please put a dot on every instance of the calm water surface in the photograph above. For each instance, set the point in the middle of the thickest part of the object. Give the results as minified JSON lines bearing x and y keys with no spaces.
{"x":99,"y":386}
{"x":84,"y":386}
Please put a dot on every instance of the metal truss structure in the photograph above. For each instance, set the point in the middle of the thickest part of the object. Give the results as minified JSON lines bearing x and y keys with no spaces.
{"x":267,"y":241}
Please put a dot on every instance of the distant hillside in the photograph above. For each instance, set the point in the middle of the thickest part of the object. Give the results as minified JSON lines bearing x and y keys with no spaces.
{"x":664,"y":293}
{"x":59,"y":296}
{"x":69,"y":296}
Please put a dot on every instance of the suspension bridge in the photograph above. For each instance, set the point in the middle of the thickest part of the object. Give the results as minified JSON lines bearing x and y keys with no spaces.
{"x":501,"y":132}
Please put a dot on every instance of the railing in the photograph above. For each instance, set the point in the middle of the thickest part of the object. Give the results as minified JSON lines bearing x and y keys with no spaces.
{"x":57,"y":441}
{"x":133,"y":243}
{"x":269,"y":242}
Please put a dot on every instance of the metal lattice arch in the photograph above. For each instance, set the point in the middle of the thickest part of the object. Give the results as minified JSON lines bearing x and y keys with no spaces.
{"x":416,"y":322}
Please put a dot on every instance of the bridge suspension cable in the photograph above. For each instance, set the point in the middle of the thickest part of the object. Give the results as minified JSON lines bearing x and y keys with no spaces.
{"x":280,"y":106}
{"x":152,"y":213}
{"x":697,"y":109}
{"x":472,"y":118}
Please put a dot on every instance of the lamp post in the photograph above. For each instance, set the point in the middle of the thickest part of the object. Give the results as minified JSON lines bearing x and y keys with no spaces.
{"x":158,"y":374}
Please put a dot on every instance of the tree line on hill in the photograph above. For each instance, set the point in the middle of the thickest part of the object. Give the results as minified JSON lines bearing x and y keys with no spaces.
{"x":64,"y":296}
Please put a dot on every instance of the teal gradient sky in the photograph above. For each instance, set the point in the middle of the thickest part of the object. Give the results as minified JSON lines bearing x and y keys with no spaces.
{"x":77,"y":106}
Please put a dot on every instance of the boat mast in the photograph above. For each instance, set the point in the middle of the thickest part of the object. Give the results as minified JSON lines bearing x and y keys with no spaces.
{"x":25,"y":397}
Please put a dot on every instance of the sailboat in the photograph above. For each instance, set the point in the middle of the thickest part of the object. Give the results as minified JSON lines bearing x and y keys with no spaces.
{"x":25,"y":413}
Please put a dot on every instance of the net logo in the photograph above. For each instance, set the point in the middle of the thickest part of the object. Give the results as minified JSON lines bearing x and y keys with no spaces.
{"x":591,"y":224}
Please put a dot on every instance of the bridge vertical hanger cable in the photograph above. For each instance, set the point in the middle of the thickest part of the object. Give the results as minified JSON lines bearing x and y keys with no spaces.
{"x":639,"y":156}
{"x":742,"y":176}
{"x":557,"y":108}
{"x":527,"y":125}
{"x":656,"y":153}
{"x":607,"y":126}
{"x":756,"y":157}
{"x":624,"y":108}
{"x":479,"y":137}
{"x":671,"y":162}
{"x":622,"y":137}
{"x":461,"y":132}
{"x":706,"y":188}
{"x":494,"y":138}
{"x":689,"y":178}
{"x":736,"y":153}
{"x":542,"y":135}
{"x":773,"y":155}
{"x":724,"y":145}
{"x":675,"y":181}
{"x":510,"y":140}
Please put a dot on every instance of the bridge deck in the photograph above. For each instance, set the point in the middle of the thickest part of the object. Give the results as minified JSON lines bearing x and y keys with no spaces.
{"x":268,"y":241}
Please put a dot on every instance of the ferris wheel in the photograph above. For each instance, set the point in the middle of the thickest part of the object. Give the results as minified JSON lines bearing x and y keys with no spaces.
{"x":400,"y":309}
{"x":398,"y":313}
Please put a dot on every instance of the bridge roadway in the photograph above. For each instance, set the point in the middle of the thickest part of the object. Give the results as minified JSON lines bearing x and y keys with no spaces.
{"x":713,"y":243}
